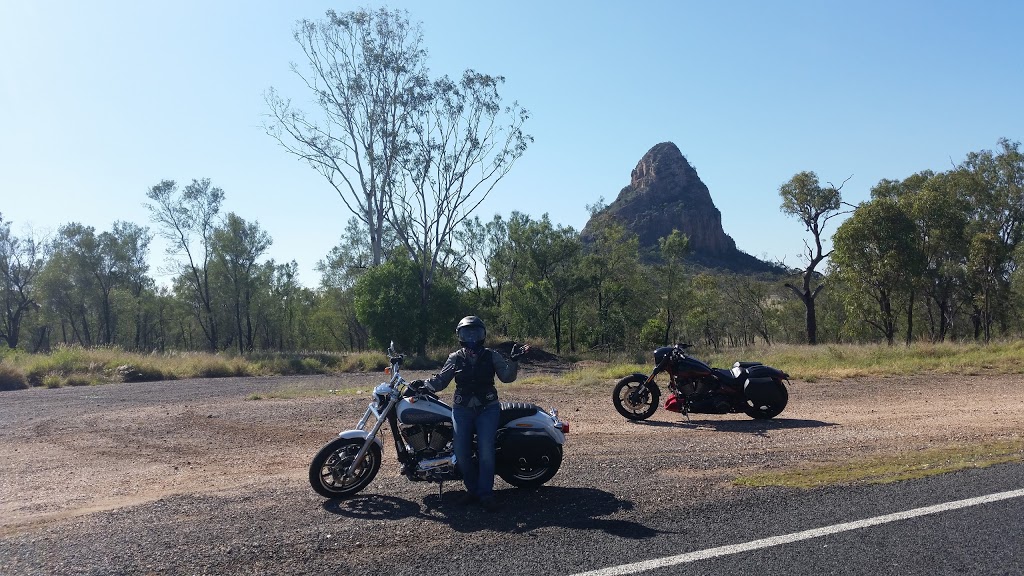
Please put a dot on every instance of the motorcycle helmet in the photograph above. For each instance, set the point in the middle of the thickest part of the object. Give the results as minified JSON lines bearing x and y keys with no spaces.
{"x":471,"y":333}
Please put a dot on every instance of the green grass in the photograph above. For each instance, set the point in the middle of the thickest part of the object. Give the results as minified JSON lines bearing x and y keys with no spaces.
{"x":895,"y":468}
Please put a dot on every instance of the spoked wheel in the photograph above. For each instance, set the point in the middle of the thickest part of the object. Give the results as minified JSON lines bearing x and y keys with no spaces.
{"x":327,"y":472}
{"x":633,"y":399}
{"x":767,"y":409}
{"x":537,"y":471}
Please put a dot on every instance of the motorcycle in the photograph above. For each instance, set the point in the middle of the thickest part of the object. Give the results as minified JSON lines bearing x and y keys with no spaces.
{"x":528,"y":446}
{"x":749,"y":387}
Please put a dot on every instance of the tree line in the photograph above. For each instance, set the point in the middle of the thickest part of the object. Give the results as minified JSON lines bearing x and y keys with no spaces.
{"x":932,"y":257}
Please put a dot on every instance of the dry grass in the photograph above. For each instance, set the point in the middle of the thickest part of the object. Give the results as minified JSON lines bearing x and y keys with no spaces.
{"x":78,"y":366}
{"x":895,"y":468}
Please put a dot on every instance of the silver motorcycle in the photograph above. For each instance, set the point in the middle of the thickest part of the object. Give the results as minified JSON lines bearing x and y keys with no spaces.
{"x":528,"y":447}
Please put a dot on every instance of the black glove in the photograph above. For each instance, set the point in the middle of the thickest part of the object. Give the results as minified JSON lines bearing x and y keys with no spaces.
{"x":518,"y":350}
{"x":415,"y":387}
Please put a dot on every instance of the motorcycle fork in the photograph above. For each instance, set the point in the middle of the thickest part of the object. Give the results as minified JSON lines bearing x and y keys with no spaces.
{"x":369,"y":437}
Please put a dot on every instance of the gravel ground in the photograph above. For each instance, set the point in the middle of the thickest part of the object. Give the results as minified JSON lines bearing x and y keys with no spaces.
{"x":205,"y":477}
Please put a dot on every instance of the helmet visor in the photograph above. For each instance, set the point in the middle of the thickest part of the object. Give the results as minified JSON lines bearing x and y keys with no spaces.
{"x":470,"y":334}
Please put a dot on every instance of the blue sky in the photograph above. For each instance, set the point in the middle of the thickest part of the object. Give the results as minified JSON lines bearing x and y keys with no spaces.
{"x":104,"y":99}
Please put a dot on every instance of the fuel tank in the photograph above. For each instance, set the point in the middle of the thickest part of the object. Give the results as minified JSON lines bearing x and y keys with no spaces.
{"x":423,"y":411}
{"x":684,"y":366}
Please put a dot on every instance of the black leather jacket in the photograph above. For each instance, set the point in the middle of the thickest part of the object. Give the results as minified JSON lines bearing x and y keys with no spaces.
{"x":474,"y":376}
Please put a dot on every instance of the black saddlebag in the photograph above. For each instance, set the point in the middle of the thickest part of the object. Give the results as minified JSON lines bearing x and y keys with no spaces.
{"x":529,"y":445}
{"x":763,"y":391}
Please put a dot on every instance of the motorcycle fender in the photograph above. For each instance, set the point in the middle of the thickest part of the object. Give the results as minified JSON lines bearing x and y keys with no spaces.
{"x":763,"y":391}
{"x":361,"y":435}
{"x":514,"y":445}
{"x":540,"y":423}
{"x":762,"y":371}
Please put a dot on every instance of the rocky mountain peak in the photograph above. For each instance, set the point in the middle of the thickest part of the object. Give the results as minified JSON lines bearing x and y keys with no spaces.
{"x":665,"y":193}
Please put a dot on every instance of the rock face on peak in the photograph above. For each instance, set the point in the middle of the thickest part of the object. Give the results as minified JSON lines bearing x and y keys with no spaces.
{"x":665,"y":193}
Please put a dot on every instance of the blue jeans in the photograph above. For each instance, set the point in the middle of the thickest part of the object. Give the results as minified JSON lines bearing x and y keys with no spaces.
{"x":478,"y":475}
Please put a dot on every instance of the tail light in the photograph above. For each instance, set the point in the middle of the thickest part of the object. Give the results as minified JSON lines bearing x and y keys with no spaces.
{"x":564,"y":427}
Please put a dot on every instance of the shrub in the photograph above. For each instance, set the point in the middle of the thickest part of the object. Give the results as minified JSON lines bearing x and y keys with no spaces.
{"x":11,"y":378}
{"x":139,"y":373}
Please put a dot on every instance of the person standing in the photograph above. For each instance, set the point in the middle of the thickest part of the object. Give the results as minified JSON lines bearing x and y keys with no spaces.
{"x":476,"y":409}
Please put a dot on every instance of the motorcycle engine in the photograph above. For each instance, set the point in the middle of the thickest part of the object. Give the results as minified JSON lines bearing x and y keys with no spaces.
{"x":431,"y":446}
{"x":422,"y":438}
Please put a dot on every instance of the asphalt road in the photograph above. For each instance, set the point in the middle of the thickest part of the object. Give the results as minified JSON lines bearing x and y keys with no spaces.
{"x":985,"y":538}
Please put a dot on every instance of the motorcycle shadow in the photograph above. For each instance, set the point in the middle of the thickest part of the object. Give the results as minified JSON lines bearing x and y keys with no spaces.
{"x":520,"y":511}
{"x":746,"y":426}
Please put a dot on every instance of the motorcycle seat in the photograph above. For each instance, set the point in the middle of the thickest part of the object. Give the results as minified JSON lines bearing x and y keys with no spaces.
{"x":513,"y":410}
{"x":725,"y":374}
{"x":740,"y":367}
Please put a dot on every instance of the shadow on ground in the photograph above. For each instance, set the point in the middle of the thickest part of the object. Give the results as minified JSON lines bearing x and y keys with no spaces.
{"x":520,"y":511}
{"x":743,"y":426}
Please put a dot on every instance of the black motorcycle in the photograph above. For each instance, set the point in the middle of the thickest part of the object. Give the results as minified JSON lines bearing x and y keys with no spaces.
{"x":749,"y":387}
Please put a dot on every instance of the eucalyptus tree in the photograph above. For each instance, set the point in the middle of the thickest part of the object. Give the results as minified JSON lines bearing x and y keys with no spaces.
{"x":92,"y":280}
{"x":548,"y":258}
{"x":187,"y":219}
{"x":131,"y":245}
{"x":336,"y":316}
{"x":620,"y":302}
{"x":476,"y":242}
{"x":464,"y":143}
{"x":237,"y":246}
{"x":672,"y":248}
{"x":878,"y":258}
{"x":704,"y":313}
{"x":996,"y":198}
{"x":935,"y":202}
{"x":755,"y":306}
{"x":814,"y":205}
{"x":367,"y":75}
{"x":68,"y":284}
{"x":21,"y":261}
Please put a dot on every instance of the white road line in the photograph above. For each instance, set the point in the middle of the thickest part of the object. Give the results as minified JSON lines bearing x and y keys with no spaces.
{"x":797,"y":536}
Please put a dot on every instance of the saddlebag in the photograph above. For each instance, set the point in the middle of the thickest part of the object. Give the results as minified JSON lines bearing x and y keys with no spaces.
{"x":527,"y":445}
{"x":763,"y":391}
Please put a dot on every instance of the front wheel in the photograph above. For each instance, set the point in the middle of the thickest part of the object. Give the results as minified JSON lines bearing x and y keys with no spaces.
{"x":765,"y":409}
{"x":634,"y":399}
{"x":535,"y":472}
{"x":327,"y":472}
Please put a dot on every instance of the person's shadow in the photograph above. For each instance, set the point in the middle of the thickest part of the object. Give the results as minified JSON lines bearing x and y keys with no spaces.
{"x":520,"y":511}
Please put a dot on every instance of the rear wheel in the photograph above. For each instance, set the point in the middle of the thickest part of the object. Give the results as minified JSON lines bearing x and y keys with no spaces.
{"x":635,"y":400}
{"x":764,"y":410}
{"x":327,"y":472}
